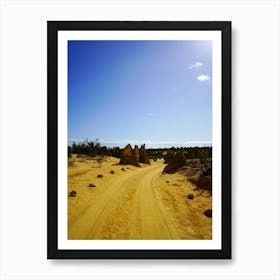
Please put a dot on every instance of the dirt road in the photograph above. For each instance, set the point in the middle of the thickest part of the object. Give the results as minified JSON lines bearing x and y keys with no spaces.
{"x":133,"y":206}
{"x":133,"y":195}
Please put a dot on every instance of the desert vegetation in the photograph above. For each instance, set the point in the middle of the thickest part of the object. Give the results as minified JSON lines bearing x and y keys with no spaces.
{"x":92,"y":148}
{"x":194,"y":162}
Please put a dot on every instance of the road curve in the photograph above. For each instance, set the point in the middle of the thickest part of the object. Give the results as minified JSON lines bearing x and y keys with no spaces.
{"x":129,"y":208}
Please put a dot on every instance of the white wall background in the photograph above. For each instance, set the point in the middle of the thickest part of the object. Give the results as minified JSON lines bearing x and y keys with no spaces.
{"x":255,"y":139}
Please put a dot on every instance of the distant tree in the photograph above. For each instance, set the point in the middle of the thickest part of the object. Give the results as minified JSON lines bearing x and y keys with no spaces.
{"x":69,"y":152}
{"x":88,"y":148}
{"x":115,"y":152}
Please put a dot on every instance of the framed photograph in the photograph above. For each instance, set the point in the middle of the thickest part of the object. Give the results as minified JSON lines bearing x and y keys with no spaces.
{"x":139,"y":140}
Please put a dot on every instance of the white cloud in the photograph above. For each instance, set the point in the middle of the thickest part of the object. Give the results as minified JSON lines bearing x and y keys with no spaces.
{"x":203,"y":78}
{"x":195,"y":65}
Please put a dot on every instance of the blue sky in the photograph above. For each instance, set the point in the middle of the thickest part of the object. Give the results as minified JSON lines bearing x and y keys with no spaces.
{"x":153,"y":92}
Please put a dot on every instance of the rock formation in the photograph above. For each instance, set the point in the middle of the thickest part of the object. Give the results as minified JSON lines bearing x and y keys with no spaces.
{"x":175,"y":161}
{"x":199,"y":172}
{"x":201,"y":181}
{"x":129,"y":156}
{"x":136,"y":153}
{"x":198,"y":166}
{"x":144,"y":157}
{"x":169,"y":156}
{"x":134,"y":156}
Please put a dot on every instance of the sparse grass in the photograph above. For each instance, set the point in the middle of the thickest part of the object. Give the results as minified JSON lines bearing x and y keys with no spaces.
{"x":99,"y":176}
{"x":123,"y":169}
{"x":112,"y":172}
{"x":91,"y":186}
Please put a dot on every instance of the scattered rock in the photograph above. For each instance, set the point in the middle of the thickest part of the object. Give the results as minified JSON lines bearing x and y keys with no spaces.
{"x":112,"y":172}
{"x":123,"y":169}
{"x":167,"y":182}
{"x":99,"y":176}
{"x":208,"y":213}
{"x":91,"y":186}
{"x":190,"y":196}
{"x":73,"y":193}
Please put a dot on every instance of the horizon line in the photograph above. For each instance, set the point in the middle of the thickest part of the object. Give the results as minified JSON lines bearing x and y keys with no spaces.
{"x":148,"y":143}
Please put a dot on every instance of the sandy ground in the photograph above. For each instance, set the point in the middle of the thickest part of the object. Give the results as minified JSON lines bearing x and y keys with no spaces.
{"x":134,"y":203}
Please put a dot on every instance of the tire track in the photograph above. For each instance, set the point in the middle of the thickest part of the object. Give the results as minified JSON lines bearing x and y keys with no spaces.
{"x":131,"y":197}
{"x":151,"y":220}
{"x":89,"y":224}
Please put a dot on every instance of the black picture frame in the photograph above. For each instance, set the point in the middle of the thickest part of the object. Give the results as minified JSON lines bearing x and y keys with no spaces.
{"x":53,"y":27}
